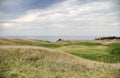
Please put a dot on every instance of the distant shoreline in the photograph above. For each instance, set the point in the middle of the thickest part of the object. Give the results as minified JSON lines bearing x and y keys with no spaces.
{"x":52,"y":38}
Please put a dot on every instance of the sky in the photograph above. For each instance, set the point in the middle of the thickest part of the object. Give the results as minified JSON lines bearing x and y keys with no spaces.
{"x":59,"y":17}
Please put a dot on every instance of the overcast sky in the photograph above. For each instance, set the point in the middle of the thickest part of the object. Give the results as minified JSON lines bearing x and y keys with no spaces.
{"x":60,"y":17}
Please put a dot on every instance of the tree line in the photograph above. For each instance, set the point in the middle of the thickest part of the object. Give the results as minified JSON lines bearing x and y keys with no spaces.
{"x":108,"y":38}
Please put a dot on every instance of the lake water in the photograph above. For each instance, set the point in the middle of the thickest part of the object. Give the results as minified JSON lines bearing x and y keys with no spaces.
{"x":52,"y":38}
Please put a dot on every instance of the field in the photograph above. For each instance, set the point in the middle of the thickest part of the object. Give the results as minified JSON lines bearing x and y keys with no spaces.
{"x":62,"y":59}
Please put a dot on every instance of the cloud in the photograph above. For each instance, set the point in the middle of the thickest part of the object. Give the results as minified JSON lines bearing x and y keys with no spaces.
{"x":7,"y":24}
{"x":15,"y":8}
{"x":71,"y":17}
{"x":64,"y":11}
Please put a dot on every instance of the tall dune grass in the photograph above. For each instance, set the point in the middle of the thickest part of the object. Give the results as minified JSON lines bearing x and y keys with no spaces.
{"x":36,"y":62}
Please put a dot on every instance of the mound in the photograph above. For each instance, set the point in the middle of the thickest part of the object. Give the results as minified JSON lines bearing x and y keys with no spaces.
{"x":16,"y":41}
{"x":36,"y":62}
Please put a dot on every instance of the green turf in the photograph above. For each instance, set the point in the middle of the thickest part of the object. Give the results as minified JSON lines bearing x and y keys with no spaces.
{"x":109,"y":53}
{"x":85,"y":43}
{"x":97,"y":51}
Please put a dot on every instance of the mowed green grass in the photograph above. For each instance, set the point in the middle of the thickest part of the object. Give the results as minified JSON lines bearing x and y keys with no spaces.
{"x":109,"y":53}
{"x":93,"y":51}
{"x":37,"y":62}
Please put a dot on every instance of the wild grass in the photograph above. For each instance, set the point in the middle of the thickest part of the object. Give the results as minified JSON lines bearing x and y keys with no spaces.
{"x":49,"y":45}
{"x":104,"y":51}
{"x":37,"y":62}
{"x":16,"y":41}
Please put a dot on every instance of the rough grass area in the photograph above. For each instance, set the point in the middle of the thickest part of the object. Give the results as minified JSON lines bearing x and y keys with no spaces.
{"x":107,"y":51}
{"x":49,"y":45}
{"x":35,"y":62}
{"x":15,"y":41}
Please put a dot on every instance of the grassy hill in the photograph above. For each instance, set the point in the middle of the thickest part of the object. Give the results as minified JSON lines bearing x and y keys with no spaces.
{"x":36,"y":62}
{"x":100,"y":50}
{"x":63,"y":59}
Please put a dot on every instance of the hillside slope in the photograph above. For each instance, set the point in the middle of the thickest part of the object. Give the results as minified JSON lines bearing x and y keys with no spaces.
{"x":107,"y":51}
{"x":37,"y":62}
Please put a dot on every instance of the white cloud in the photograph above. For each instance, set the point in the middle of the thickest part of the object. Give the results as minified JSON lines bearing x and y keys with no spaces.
{"x":63,"y":11}
{"x":70,"y":17}
{"x":7,"y":24}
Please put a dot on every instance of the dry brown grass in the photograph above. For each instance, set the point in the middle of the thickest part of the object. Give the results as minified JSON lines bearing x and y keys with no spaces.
{"x":37,"y":62}
{"x":15,"y":41}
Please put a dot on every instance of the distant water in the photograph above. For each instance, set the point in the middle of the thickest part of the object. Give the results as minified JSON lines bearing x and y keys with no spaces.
{"x":52,"y":38}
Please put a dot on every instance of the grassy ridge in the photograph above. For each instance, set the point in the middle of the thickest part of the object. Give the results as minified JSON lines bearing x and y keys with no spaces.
{"x":15,"y":41}
{"x":34,"y":62}
{"x":103,"y":51}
